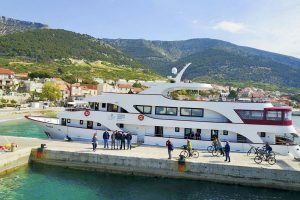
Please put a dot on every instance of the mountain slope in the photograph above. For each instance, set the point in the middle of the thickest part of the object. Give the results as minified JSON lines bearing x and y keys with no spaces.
{"x":214,"y":59}
{"x":9,"y":25}
{"x":47,"y":45}
{"x":69,"y":55}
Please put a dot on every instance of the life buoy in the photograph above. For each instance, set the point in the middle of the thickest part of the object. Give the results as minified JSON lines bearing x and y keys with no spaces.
{"x":141,"y":117}
{"x":87,"y":113}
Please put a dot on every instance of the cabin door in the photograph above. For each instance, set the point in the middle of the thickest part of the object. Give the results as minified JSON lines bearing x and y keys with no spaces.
{"x":187,"y":133}
{"x":96,"y":106}
{"x":89,"y":124}
{"x":63,"y":121}
{"x":214,"y":133}
{"x":159,"y":131}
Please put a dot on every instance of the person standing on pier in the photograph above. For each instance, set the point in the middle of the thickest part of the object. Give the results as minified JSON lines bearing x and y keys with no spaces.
{"x":123,"y":138}
{"x":94,"y":141}
{"x":105,"y":139}
{"x":227,"y":150}
{"x":118,"y":139}
{"x":113,"y":140}
{"x":170,"y":148}
{"x":128,"y":138}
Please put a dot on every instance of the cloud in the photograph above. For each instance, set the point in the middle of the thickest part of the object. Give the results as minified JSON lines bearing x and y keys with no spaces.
{"x":229,"y":26}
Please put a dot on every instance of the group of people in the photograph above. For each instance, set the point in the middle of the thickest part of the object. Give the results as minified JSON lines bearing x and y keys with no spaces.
{"x":193,"y":136}
{"x":216,"y":143}
{"x":118,"y":140}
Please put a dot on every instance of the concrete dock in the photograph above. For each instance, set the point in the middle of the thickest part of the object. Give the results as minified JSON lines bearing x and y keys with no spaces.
{"x":152,"y":161}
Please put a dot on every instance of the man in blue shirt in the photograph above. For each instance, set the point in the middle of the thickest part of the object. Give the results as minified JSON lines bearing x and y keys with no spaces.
{"x":227,"y":150}
{"x":105,"y":139}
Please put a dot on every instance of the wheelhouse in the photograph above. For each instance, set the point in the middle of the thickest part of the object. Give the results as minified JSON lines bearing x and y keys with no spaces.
{"x":268,"y":116}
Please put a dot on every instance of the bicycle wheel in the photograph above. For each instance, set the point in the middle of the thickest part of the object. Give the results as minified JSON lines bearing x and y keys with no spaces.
{"x":258,"y":159}
{"x":195,"y":154}
{"x":184,"y":153}
{"x":215,"y":152}
{"x":271,"y":160}
{"x":210,"y":149}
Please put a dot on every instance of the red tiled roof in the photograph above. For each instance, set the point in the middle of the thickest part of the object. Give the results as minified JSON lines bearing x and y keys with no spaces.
{"x":89,"y":86}
{"x":124,"y":85}
{"x":6,"y":71}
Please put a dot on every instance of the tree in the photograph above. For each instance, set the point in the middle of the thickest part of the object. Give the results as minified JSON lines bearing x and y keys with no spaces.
{"x":137,"y":85}
{"x":233,"y":94}
{"x":51,"y":91}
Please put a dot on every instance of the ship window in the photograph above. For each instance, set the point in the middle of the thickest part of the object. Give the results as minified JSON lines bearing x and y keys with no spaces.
{"x":251,"y":114}
{"x":225,"y":132}
{"x":288,"y":115}
{"x":147,"y":109}
{"x":144,"y":109}
{"x":274,"y":115}
{"x":177,"y":129}
{"x":81,"y":121}
{"x":68,"y":121}
{"x":112,"y":107}
{"x":63,"y":121}
{"x":160,"y":110}
{"x":92,"y":105}
{"x":171,"y":111}
{"x":98,"y":124}
{"x":103,"y":105}
{"x":121,"y":125}
{"x":193,"y":112}
{"x":185,"y":111}
{"x":262,"y":134}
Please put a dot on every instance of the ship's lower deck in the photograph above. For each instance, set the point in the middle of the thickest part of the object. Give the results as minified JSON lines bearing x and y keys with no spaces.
{"x":201,"y":138}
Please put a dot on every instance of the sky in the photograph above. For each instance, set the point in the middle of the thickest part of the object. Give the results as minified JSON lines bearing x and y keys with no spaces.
{"x":272,"y":25}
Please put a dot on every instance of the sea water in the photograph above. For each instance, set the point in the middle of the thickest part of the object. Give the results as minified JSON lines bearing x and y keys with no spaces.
{"x":51,"y":183}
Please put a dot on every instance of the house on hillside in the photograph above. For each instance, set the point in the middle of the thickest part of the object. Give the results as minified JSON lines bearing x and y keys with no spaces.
{"x":34,"y":85}
{"x":65,"y":88}
{"x":79,"y":91}
{"x":7,"y":79}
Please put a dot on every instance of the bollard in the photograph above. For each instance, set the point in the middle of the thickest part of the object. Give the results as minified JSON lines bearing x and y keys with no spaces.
{"x":181,"y":163}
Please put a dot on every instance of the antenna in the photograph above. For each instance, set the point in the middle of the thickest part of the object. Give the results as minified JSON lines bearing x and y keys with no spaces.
{"x":179,"y":75}
{"x":174,"y":70}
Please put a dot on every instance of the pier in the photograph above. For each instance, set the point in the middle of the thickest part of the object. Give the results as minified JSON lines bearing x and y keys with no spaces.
{"x":152,"y":161}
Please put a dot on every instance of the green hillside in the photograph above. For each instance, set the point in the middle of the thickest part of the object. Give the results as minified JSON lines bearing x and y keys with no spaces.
{"x":49,"y":44}
{"x":214,"y":59}
{"x":68,"y":55}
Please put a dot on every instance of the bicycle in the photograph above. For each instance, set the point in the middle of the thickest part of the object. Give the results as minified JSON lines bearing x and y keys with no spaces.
{"x":253,"y":149}
{"x":210,"y":149}
{"x":218,"y":152}
{"x":269,"y":158}
{"x":185,"y":153}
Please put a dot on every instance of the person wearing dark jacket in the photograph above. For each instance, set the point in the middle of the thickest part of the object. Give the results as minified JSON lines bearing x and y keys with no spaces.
{"x":118,"y":139}
{"x":227,"y":150}
{"x":128,"y":139}
{"x":105,"y":139}
{"x":123,"y":138}
{"x":113,"y":140}
{"x":170,"y":148}
{"x":94,"y":141}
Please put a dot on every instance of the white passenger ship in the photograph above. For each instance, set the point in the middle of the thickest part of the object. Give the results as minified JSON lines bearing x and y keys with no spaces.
{"x":153,"y":117}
